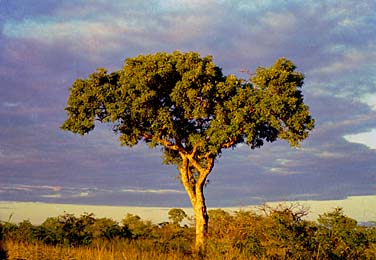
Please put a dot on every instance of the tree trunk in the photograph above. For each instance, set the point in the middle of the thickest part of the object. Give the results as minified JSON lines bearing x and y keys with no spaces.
{"x":194,"y":187}
{"x":202,"y":220}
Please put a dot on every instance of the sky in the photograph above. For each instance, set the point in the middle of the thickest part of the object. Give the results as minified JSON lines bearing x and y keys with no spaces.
{"x":46,"y":45}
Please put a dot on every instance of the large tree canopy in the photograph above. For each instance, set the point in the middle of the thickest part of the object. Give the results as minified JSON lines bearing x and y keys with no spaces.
{"x":184,"y":104}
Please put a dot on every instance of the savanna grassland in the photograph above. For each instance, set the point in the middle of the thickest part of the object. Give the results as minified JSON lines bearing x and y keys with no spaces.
{"x":273,"y":233}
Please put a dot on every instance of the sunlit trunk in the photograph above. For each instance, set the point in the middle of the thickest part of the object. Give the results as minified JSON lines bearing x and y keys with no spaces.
{"x":202,"y":218}
{"x":195,"y":190}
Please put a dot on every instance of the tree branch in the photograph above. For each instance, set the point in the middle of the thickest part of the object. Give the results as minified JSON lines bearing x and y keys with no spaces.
{"x":203,"y":172}
{"x":170,"y":145}
{"x":185,"y":174}
{"x":147,"y":136}
{"x":194,"y":150}
{"x":228,"y":144}
{"x":233,"y":141}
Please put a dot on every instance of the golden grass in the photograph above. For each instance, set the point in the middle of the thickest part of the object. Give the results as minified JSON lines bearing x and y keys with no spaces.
{"x":110,"y":251}
{"x":123,"y":251}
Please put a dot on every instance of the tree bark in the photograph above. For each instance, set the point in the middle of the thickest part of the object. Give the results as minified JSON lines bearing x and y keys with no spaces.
{"x":195,"y":189}
{"x":202,"y":220}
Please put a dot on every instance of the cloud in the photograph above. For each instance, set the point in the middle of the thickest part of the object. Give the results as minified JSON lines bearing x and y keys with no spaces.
{"x":268,"y":30}
{"x":11,"y":104}
{"x":82,"y":194}
{"x":366,"y":138}
{"x":281,"y":22}
{"x":113,"y":31}
{"x":160,"y":191}
{"x":37,"y":187}
{"x":52,"y":196}
{"x":95,"y":37}
{"x":51,"y":31}
{"x":352,"y":60}
{"x":326,"y":164}
{"x":370,"y":99}
{"x":45,"y":46}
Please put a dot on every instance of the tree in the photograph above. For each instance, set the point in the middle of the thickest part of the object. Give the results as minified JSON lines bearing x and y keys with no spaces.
{"x":339,"y":237}
{"x":184,"y":104}
{"x":176,"y":216}
{"x":137,"y":227}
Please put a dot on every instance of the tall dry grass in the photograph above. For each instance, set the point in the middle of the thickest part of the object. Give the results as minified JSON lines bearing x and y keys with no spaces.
{"x":111,"y":251}
{"x":116,"y":251}
{"x":280,"y":234}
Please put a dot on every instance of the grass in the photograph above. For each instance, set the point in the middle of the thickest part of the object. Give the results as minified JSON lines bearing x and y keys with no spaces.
{"x":113,"y":251}
{"x":110,"y":251}
{"x":279,"y":234}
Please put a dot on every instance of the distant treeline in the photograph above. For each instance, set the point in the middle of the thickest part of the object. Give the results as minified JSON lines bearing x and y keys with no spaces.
{"x":278,"y":233}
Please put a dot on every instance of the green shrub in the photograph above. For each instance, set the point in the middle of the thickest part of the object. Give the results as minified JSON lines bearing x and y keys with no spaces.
{"x":277,"y":233}
{"x":339,"y":237}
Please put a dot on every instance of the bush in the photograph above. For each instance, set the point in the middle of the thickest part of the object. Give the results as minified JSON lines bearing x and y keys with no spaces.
{"x":339,"y":237}
{"x":277,"y":233}
{"x":139,"y":229}
{"x":3,"y":252}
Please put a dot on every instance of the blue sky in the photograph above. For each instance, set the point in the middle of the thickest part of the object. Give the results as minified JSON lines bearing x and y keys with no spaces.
{"x":46,"y":45}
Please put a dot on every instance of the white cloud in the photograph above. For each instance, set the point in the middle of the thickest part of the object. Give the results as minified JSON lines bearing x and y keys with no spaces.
{"x":53,"y":196}
{"x":37,"y":187}
{"x":161,"y":191}
{"x":279,"y":170}
{"x":370,"y":100}
{"x":11,"y":104}
{"x":82,"y":194}
{"x":87,"y":32}
{"x":113,"y":33}
{"x":324,"y":152}
{"x":330,"y":155}
{"x":182,"y":4}
{"x":368,"y":138}
{"x":360,"y":208}
{"x":283,"y":167}
{"x":239,"y":33}
{"x":283,"y":161}
{"x":279,"y":21}
{"x":350,"y":60}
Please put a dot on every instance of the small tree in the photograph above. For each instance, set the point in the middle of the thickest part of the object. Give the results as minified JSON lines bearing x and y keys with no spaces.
{"x":176,"y":216}
{"x":184,"y":104}
{"x":137,"y":227}
{"x":339,"y":237}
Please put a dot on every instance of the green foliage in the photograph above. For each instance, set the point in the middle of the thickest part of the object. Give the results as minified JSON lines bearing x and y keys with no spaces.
{"x":66,"y":229}
{"x":273,"y":233}
{"x":286,"y":234}
{"x":105,"y":228}
{"x":176,"y":216}
{"x":282,"y":233}
{"x":339,"y":237}
{"x":184,"y":101}
{"x":281,"y":104}
{"x":23,"y":232}
{"x":8,"y":229}
{"x":172,"y":237}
